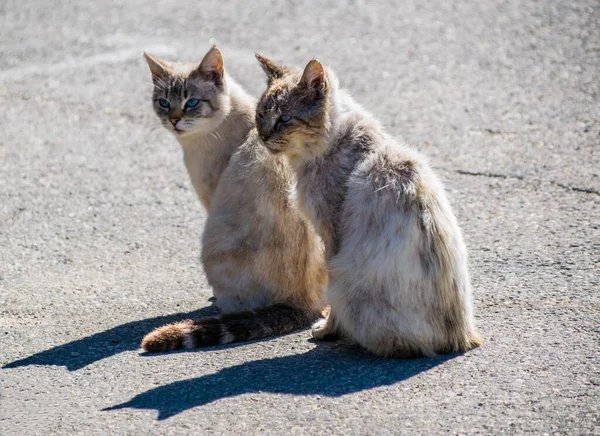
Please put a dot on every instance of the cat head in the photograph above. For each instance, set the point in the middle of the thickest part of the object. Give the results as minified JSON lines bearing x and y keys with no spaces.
{"x":292,"y":115}
{"x":190,"y":99}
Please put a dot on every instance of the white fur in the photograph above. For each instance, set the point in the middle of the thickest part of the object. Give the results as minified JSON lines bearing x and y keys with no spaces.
{"x":209,"y":145}
{"x":381,"y":292}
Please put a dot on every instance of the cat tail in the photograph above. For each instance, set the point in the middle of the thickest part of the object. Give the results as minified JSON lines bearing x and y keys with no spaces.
{"x":224,"y":329}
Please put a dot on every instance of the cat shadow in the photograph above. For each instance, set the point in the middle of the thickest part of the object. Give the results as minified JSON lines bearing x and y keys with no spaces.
{"x":125,"y":337}
{"x":330,"y":370}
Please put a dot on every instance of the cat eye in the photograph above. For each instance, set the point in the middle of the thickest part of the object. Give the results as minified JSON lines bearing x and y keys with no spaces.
{"x":284,"y":119}
{"x":164,"y":103}
{"x":192,"y":103}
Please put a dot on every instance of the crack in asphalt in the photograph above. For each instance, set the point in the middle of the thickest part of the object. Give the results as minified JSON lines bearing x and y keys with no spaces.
{"x":489,"y":174}
{"x":519,"y":177}
{"x":576,"y":188}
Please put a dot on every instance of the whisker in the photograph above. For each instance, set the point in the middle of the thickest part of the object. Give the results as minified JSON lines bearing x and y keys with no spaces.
{"x":216,"y":135}
{"x":160,"y":81}
{"x":383,"y":187}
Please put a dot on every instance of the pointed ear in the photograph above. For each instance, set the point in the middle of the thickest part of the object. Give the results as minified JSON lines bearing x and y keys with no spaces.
{"x":211,"y":67}
{"x":271,"y":69}
{"x":314,"y":75}
{"x":158,"y":67}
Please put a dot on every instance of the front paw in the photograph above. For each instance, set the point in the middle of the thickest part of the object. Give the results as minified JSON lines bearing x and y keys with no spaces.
{"x":322,"y":329}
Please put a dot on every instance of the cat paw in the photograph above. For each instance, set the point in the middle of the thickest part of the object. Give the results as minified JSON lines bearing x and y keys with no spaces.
{"x":322,"y":330}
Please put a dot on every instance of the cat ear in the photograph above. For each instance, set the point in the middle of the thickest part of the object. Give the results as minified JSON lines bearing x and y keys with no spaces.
{"x":158,"y":67}
{"x":211,"y":67}
{"x":271,"y":69}
{"x":313,"y":76}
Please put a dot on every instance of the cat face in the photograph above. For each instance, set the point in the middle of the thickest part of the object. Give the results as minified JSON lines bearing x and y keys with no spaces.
{"x":189,"y":100}
{"x":291,"y":116}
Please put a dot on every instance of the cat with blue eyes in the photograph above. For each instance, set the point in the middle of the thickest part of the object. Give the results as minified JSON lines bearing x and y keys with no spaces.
{"x":189,"y":99}
{"x":399,"y":282}
{"x":263,"y":259}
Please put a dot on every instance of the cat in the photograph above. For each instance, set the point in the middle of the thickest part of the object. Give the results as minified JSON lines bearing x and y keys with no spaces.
{"x":398,"y":276}
{"x":263,"y":260}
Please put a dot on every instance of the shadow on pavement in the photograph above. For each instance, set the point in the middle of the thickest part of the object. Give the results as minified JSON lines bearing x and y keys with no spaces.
{"x":330,"y":370}
{"x":82,"y":352}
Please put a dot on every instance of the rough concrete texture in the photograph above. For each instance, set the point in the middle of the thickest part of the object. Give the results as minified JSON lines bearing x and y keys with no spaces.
{"x":99,"y":226}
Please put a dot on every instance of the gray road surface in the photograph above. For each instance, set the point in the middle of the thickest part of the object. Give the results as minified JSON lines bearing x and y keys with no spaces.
{"x":99,"y":226}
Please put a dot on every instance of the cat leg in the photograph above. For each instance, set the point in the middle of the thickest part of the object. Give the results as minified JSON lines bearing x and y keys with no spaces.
{"x":325,"y":329}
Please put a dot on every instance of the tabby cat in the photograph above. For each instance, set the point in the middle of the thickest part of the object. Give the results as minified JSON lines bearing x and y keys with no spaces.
{"x":263,"y":260}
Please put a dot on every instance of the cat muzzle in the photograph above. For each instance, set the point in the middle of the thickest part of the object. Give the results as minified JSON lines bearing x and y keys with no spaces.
{"x":273,"y":150}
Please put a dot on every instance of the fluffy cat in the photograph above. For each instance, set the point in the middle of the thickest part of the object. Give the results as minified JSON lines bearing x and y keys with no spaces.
{"x":263,"y":260}
{"x":398,"y":275}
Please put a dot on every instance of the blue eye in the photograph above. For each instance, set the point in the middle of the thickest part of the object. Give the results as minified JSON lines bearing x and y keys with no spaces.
{"x":285,"y":118}
{"x":164,"y":103}
{"x":192,"y":103}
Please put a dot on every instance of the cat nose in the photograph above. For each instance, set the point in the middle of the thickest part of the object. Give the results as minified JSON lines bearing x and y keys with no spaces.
{"x":264,"y":134}
{"x":174,"y":121}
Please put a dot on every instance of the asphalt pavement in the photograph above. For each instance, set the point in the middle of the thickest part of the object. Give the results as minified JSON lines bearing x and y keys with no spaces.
{"x":100,"y":227}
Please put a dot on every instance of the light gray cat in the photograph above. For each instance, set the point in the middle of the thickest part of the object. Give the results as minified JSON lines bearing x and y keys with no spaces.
{"x":398,"y":277}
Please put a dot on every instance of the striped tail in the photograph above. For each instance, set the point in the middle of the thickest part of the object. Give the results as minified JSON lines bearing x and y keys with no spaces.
{"x":224,"y":329}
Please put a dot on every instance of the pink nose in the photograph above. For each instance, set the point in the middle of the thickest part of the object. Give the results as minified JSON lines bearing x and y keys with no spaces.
{"x":174,"y":121}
